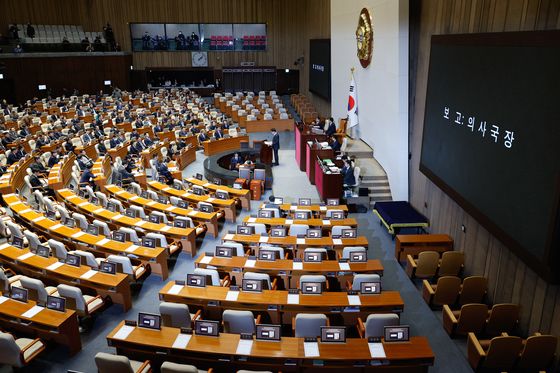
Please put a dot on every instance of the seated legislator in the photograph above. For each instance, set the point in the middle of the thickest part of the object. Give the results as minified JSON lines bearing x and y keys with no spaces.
{"x":235,"y":161}
{"x":162,"y":170}
{"x":87,"y":178}
{"x":348,"y":173}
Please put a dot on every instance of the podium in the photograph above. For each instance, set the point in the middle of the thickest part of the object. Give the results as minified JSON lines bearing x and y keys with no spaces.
{"x":265,"y":154}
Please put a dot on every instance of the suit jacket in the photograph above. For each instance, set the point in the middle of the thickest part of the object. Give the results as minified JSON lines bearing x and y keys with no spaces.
{"x":53,"y":160}
{"x":87,"y":177}
{"x":349,"y":178}
{"x":114,"y":142}
{"x":276,"y":141}
{"x":218,"y":134}
{"x":331,"y":130}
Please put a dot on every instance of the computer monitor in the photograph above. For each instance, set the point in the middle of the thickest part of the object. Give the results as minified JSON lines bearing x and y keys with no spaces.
{"x":358,"y":256}
{"x":180,"y":223}
{"x":237,"y":186}
{"x":349,"y":233}
{"x":19,"y":294}
{"x":119,"y":236}
{"x":207,"y":327}
{"x":56,"y":303}
{"x":222,"y":195}
{"x":73,"y":260}
{"x":69,"y":222}
{"x":156,"y":219}
{"x":244,"y":173}
{"x":224,"y":251}
{"x":50,"y":215}
{"x":266,"y":332}
{"x":43,"y":251}
{"x":163,"y":199}
{"x":337,"y":215}
{"x":304,"y":202}
{"x":111,"y":206}
{"x":92,"y":229}
{"x":108,"y":267}
{"x":245,"y":229}
{"x":145,"y":194}
{"x":312,"y":257}
{"x":333,"y":334}
{"x":268,"y":255}
{"x":278,"y":200}
{"x":301,"y":215}
{"x":217,"y":181}
{"x":311,"y":287}
{"x":396,"y":333}
{"x":149,"y":321}
{"x":314,"y":233}
{"x":198,"y":281}
{"x":206,"y":208}
{"x":106,"y":82}
{"x":82,"y":193}
{"x":17,"y":242}
{"x":182,"y":204}
{"x":333,"y":201}
{"x":94,"y":200}
{"x":42,"y":87}
{"x":198,"y":190}
{"x":259,"y":174}
{"x":251,"y":285}
{"x":198,"y":176}
{"x":149,"y":242}
{"x":277,"y":232}
{"x":131,"y":213}
{"x":370,"y":287}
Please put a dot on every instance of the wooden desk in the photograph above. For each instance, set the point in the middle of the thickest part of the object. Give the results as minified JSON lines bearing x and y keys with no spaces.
{"x":302,"y":136}
{"x":120,"y":151}
{"x":316,"y":209}
{"x":185,"y":235}
{"x":284,"y":268}
{"x":60,"y":173}
{"x":186,"y":157}
{"x":102,"y":171}
{"x":166,"y":136}
{"x":228,"y":205}
{"x":223,"y":145}
{"x":220,"y":353}
{"x":147,"y":154}
{"x":311,"y":153}
{"x":210,"y":219}
{"x":117,"y":286}
{"x":244,"y":195}
{"x":266,"y":125}
{"x":324,"y":224}
{"x":275,"y":302}
{"x":12,"y":180}
{"x":89,"y":149}
{"x":414,"y":244}
{"x":61,"y":327}
{"x":192,"y":140}
{"x":328,"y":185}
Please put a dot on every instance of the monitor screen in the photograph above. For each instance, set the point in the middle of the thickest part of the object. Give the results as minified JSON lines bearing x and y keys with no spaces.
{"x":94,"y":200}
{"x":69,"y":222}
{"x":145,"y":194}
{"x":358,"y":256}
{"x":301,"y":215}
{"x":237,"y":186}
{"x":199,"y":177}
{"x":73,"y":260}
{"x":180,"y":223}
{"x":396,"y":333}
{"x":265,"y":214}
{"x":56,"y":303}
{"x":92,"y":229}
{"x":182,"y":204}
{"x":156,"y":219}
{"x":349,"y":233}
{"x":337,"y":215}
{"x":370,"y":287}
{"x":278,"y":200}
{"x":244,"y":173}
{"x":314,"y":233}
{"x":222,"y":195}
{"x":162,"y":199}
{"x":259,"y":174}
{"x":149,"y":242}
{"x":312,"y":256}
{"x":106,"y":82}
{"x":304,"y":202}
{"x":224,"y":251}
{"x":206,"y":327}
{"x":108,"y":267}
{"x":42,"y":87}
{"x":19,"y":294}
{"x":43,"y":251}
{"x":266,"y":332}
{"x":50,"y":215}
{"x":119,"y":236}
{"x":252,"y":285}
{"x":269,"y":255}
{"x":196,"y":280}
{"x":311,"y":287}
{"x":199,"y":191}
{"x":131,"y":213}
{"x":320,"y":67}
{"x":333,"y":334}
{"x":206,"y":208}
{"x":245,"y":229}
{"x":111,"y":206}
{"x":149,"y":321}
{"x":333,"y":202}
{"x":17,"y":242}
{"x":278,"y":232}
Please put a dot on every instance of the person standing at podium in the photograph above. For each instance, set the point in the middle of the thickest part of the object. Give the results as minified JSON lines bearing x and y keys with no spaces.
{"x":275,"y":145}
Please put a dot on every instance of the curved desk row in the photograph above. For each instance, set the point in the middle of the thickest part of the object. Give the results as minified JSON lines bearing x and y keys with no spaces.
{"x":325,"y":224}
{"x":243,"y":194}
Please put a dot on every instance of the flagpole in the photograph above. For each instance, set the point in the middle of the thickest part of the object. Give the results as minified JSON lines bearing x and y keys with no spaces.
{"x":349,"y":130}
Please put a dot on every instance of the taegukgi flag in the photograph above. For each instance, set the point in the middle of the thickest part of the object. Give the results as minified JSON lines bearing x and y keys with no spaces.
{"x":352,"y":104}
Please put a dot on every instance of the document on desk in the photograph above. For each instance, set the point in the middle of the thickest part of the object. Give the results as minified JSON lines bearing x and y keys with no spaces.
{"x":25,"y":211}
{"x":206,"y":259}
{"x":32,"y":311}
{"x":376,"y":350}
{"x":297,"y":266}
{"x":98,"y":211}
{"x":288,"y":222}
{"x":25,"y":256}
{"x":244,"y":347}
{"x":182,"y":341}
{"x":175,"y":289}
{"x":117,"y":217}
{"x":228,"y":236}
{"x":293,"y":298}
{"x":311,"y":349}
{"x":354,"y":300}
{"x":78,"y":234}
{"x":151,"y":203}
{"x":140,"y":223}
{"x":124,"y":332}
{"x":337,"y":241}
{"x":5,"y":245}
{"x":344,"y":266}
{"x":55,"y":265}
{"x":232,"y":296}
{"x":102,"y":241}
{"x":3,"y":299}
{"x":251,"y":220}
{"x":166,"y":228}
{"x":293,"y":208}
{"x":326,"y":222}
{"x":323,"y":208}
{"x":82,"y":204}
{"x":134,"y":198}
{"x":300,"y":241}
{"x":89,"y":274}
{"x":56,"y":226}
{"x":210,"y":199}
{"x":38,"y":219}
{"x":131,"y":248}
{"x":170,"y":208}
{"x":250,"y":263}
{"x":263,"y":239}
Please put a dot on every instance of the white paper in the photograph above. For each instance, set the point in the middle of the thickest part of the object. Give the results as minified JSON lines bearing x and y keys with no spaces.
{"x":323,"y":208}
{"x":297,"y":265}
{"x":123,"y":332}
{"x":210,"y":199}
{"x":354,"y":300}
{"x":32,"y":311}
{"x":250,"y":263}
{"x":166,"y":189}
{"x":182,"y":341}
{"x":140,"y":223}
{"x":326,"y":222}
{"x":55,"y":265}
{"x":263,"y":239}
{"x":165,"y":228}
{"x":228,"y":236}
{"x":25,"y":256}
{"x":293,"y":298}
{"x":78,"y":234}
{"x":170,"y":208}
{"x":344,"y":266}
{"x":376,"y":350}
{"x":56,"y":226}
{"x":38,"y":219}
{"x":4,"y":245}
{"x":175,"y":289}
{"x":300,"y":241}
{"x":117,"y":217}
{"x":82,"y":204}
{"x":25,"y":211}
{"x":293,"y":208}
{"x":244,"y":347}
{"x":99,"y":211}
{"x":192,"y":213}
{"x":251,"y":220}
{"x":134,"y":198}
{"x":102,"y":241}
{"x":288,"y":221}
{"x":337,"y":241}
{"x":206,"y":259}
{"x":232,"y":296}
{"x":118,"y":193}
{"x":131,"y":248}
{"x":311,"y":349}
{"x":3,"y":299}
{"x":88,"y":274}
{"x":151,"y":203}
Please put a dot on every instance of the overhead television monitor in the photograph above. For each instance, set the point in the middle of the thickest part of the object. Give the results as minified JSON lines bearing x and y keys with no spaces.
{"x":320,"y":67}
{"x":106,"y":82}
{"x":490,"y":137}
{"x":42,"y":87}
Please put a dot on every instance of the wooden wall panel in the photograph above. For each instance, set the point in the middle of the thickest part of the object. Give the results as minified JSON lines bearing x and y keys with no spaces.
{"x":290,"y":25}
{"x":510,"y":280}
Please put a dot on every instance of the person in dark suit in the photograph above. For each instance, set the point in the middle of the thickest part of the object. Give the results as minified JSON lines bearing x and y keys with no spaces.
{"x":335,"y":145}
{"x":147,"y":141}
{"x":162,"y":170}
{"x":202,"y":136}
{"x":37,"y":166}
{"x":12,"y":158}
{"x":87,"y":177}
{"x":114,"y":142}
{"x":331,"y":130}
{"x":157,"y":128}
{"x":348,"y":173}
{"x":19,"y":152}
{"x":218,"y":133}
{"x":53,"y":158}
{"x":101,"y":148}
{"x":275,"y":145}
{"x":235,"y":161}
